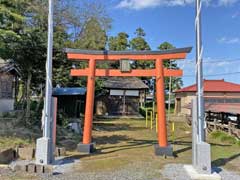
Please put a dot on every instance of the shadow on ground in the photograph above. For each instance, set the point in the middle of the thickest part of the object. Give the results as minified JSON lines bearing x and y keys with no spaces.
{"x":114,"y":139}
{"x":223,"y":161}
{"x":111,"y":127}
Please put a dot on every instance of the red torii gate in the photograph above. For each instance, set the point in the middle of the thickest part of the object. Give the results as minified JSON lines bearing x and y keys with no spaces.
{"x":159,"y":72}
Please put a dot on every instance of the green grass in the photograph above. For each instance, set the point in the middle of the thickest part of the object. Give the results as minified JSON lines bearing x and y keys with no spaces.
{"x":224,"y":137}
{"x":12,"y":142}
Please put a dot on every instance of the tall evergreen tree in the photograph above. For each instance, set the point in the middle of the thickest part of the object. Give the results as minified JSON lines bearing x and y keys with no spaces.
{"x":176,"y":81}
{"x":11,"y":24}
{"x":140,"y":44}
{"x":92,"y":36}
{"x":119,"y":43}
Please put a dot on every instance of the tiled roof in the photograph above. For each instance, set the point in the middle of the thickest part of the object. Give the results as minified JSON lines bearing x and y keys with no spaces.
{"x":223,"y":107}
{"x":124,"y":83}
{"x":213,"y":86}
{"x":68,"y":91}
{"x":8,"y":66}
{"x":220,"y":107}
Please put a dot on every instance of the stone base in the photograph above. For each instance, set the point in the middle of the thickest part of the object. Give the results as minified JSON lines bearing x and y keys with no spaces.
{"x":44,"y":153}
{"x":27,"y":153}
{"x":7,"y":155}
{"x":33,"y":168}
{"x":194,"y":175}
{"x":86,"y":148}
{"x":163,"y":151}
{"x":203,"y":153}
{"x":60,"y":151}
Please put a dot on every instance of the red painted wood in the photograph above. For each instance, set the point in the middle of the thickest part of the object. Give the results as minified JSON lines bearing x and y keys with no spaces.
{"x":134,"y":72}
{"x":73,"y":56}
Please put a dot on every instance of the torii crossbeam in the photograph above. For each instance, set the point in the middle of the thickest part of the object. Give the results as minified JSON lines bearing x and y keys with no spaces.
{"x":162,"y":148}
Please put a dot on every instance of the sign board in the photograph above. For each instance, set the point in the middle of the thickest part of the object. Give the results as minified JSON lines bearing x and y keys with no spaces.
{"x":115,"y":92}
{"x":125,"y":65}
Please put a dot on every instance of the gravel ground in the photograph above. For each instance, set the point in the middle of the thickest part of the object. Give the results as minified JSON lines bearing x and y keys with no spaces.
{"x":136,"y":171}
{"x":64,"y":169}
{"x":177,"y":172}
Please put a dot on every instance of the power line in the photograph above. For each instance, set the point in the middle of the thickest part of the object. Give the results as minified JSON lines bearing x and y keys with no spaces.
{"x":226,"y":60}
{"x":214,"y":61}
{"x":208,"y":75}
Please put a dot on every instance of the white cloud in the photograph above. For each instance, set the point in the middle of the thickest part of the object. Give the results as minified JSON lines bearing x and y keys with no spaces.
{"x":226,"y":40}
{"x":142,"y":4}
{"x":227,"y":2}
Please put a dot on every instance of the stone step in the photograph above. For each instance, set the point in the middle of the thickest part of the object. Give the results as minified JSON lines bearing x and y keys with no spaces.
{"x":34,"y":168}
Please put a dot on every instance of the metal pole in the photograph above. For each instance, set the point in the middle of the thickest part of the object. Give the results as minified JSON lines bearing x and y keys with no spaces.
{"x":48,"y":93}
{"x":153,"y":103}
{"x":199,"y":73}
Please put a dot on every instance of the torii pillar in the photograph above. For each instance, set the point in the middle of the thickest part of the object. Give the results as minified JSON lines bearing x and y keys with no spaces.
{"x":162,"y":148}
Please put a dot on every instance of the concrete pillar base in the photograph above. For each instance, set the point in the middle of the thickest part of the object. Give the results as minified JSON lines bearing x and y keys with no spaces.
{"x":86,"y":148}
{"x":44,"y":153}
{"x":195,"y":175}
{"x":163,"y":151}
{"x":203,"y":158}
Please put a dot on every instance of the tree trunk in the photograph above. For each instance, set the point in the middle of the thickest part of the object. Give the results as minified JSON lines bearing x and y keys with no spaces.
{"x":28,"y":89}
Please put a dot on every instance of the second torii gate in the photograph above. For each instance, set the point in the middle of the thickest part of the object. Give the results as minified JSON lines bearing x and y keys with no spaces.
{"x":162,"y":148}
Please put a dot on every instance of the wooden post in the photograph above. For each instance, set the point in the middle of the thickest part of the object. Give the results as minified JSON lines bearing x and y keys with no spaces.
{"x":156,"y":123}
{"x":54,"y":121}
{"x":162,"y":125}
{"x":87,"y":132}
{"x":215,"y":124}
{"x":229,"y":127}
{"x":151,"y":118}
{"x":146,"y":116}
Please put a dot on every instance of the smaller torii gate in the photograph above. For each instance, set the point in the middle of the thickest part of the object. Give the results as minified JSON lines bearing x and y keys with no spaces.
{"x":162,"y":148}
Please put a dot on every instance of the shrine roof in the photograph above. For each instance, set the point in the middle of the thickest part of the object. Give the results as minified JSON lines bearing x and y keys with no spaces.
{"x":128,"y":52}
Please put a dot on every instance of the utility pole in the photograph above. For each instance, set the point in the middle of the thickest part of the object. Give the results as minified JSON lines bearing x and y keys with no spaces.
{"x":48,"y":93}
{"x":199,"y":74}
{"x":44,"y":150}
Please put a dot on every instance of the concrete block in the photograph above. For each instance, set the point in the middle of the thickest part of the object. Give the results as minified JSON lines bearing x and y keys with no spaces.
{"x":60,"y":151}
{"x":39,"y":168}
{"x":203,"y":158}
{"x":195,"y":175}
{"x":44,"y":153}
{"x":163,"y":151}
{"x":7,"y":155}
{"x":26,"y":153}
{"x":86,"y":148}
{"x":31,"y":168}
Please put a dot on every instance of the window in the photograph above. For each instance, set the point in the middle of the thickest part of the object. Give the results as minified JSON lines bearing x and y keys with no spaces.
{"x":5,"y":89}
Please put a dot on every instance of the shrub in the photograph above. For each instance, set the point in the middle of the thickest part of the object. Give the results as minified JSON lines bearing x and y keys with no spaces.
{"x":228,"y":139}
{"x":142,"y":111}
{"x":217,"y":134}
{"x":224,"y":137}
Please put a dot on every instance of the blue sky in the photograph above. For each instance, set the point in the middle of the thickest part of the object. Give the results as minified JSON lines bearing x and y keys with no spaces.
{"x":173,"y":21}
